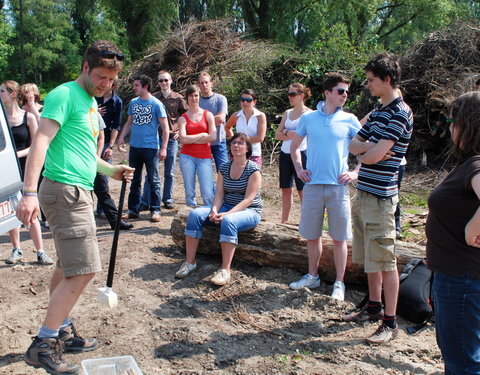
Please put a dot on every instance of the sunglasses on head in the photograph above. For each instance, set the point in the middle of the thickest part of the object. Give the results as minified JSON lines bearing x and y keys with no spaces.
{"x":343,"y":91}
{"x":248,"y":100}
{"x":293,"y":93}
{"x":162,"y":80}
{"x":106,"y":54}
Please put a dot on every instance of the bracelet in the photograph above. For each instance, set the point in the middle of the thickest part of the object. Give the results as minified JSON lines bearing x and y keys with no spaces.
{"x":30,"y":191}
{"x":29,"y":194}
{"x":110,"y":147}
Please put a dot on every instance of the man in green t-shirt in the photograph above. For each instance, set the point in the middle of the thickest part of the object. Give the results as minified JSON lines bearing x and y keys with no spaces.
{"x":66,"y":141}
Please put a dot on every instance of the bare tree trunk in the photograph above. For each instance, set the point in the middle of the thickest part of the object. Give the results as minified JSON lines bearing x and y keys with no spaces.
{"x":280,"y":245}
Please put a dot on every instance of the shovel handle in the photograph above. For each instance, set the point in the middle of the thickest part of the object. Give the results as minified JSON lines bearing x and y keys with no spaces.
{"x":113,"y":252}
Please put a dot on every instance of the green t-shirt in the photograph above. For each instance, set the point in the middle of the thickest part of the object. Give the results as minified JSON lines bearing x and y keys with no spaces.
{"x":71,"y":156}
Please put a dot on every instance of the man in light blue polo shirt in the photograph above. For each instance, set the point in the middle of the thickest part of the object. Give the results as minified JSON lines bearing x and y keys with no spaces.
{"x":328,"y":130}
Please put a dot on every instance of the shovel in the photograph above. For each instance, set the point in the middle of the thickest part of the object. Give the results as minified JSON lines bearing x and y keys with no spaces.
{"x":106,"y":296}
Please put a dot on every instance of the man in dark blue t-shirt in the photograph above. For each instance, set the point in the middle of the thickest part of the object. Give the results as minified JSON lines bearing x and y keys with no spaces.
{"x":380,"y":146}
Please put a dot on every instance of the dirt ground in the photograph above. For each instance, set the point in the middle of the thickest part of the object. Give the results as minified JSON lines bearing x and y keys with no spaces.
{"x":253,"y":325}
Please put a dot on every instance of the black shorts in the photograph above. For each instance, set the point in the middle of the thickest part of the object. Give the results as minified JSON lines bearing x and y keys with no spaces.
{"x":287,"y":171}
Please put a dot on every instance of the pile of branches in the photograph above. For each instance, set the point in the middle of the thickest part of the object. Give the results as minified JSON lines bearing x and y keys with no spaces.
{"x":234,"y":60}
{"x":435,"y":71}
{"x":211,"y":46}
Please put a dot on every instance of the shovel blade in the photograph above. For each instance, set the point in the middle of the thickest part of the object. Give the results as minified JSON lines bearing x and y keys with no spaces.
{"x":106,"y":296}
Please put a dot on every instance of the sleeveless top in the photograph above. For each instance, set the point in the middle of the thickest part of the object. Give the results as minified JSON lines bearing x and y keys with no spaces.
{"x":21,"y":138}
{"x":21,"y":134}
{"x":235,"y":189}
{"x":292,"y":125}
{"x":200,"y":151}
{"x":250,"y":128}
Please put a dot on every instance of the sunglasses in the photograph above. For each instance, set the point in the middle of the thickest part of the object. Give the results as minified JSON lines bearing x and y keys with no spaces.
{"x":162,"y":80}
{"x":238,"y":143}
{"x":293,"y":93}
{"x":343,"y":91}
{"x":248,"y":100}
{"x":111,"y":55}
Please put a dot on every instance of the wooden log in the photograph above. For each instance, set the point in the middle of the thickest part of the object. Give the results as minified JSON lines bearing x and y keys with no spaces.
{"x":280,"y":245}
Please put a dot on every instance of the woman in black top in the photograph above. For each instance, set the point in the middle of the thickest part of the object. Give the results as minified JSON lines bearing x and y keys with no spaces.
{"x":453,"y":243}
{"x":23,"y":126}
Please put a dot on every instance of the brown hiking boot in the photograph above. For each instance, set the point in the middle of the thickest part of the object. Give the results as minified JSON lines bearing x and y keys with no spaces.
{"x":73,"y":342}
{"x":362,"y":315}
{"x":46,"y":353}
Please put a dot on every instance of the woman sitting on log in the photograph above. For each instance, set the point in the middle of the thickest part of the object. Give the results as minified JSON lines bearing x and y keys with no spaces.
{"x":453,"y":242}
{"x":236,"y":207}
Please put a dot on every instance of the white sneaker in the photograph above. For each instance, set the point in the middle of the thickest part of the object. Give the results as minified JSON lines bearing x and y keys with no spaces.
{"x":338,"y":291}
{"x":43,"y":258}
{"x":307,"y":281}
{"x":220,"y":277}
{"x":185,"y":270}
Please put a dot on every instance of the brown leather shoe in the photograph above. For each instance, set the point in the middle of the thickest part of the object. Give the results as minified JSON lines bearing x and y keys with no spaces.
{"x":362,"y":315}
{"x":46,"y":353}
{"x":129,"y":215}
{"x":73,"y":342}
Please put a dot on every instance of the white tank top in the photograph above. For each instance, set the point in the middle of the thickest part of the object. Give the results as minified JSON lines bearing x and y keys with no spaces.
{"x":292,"y":125}
{"x":250,"y":128}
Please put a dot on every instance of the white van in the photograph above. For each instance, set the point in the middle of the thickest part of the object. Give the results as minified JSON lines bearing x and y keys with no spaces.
{"x":10,"y":177}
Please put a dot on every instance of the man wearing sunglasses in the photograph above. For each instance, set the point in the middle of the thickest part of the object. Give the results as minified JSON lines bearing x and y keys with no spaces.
{"x":380,"y":146}
{"x":329,"y":130}
{"x":175,"y":106}
{"x":66,"y":141}
{"x":217,"y":104}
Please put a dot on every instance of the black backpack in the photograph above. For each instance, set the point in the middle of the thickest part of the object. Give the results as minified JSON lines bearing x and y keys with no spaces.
{"x":414,"y":296}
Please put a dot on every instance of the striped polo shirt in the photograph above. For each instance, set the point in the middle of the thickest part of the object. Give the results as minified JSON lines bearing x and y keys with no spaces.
{"x":392,"y":122}
{"x":235,"y":189}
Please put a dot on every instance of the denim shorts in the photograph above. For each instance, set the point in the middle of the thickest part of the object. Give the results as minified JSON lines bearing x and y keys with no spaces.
{"x":287,"y":171}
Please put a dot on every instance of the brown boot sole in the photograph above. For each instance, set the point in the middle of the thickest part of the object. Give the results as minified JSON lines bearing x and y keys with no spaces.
{"x":74,"y":371}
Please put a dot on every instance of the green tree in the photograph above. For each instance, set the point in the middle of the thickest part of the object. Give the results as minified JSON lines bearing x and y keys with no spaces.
{"x":93,"y":20}
{"x":144,"y":21}
{"x":51,"y":43}
{"x":6,"y":32}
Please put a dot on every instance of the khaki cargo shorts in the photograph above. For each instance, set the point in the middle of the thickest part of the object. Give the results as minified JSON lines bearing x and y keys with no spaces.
{"x":69,"y":211}
{"x":373,"y":243}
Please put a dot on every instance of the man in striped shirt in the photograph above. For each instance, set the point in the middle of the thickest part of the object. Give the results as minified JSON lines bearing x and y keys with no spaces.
{"x":380,"y":146}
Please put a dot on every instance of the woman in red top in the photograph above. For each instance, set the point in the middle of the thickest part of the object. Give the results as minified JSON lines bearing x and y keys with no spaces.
{"x":196,"y":129}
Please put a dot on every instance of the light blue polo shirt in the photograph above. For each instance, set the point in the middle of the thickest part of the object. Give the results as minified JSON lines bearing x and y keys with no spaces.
{"x":328,"y":138}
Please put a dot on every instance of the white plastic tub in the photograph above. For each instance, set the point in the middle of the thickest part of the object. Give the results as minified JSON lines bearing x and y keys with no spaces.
{"x":124,"y":365}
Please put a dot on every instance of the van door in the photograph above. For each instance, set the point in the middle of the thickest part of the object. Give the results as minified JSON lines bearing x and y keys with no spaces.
{"x":10,"y":177}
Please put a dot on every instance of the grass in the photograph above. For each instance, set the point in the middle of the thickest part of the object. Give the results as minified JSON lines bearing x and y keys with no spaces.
{"x":418,"y":199}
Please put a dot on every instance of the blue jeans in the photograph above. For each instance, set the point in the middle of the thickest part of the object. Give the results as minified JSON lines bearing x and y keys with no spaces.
{"x":456,"y":301}
{"x":168,"y":176}
{"x":191,"y":167}
{"x":230,"y":225}
{"x":220,"y":153}
{"x":137,"y":158}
